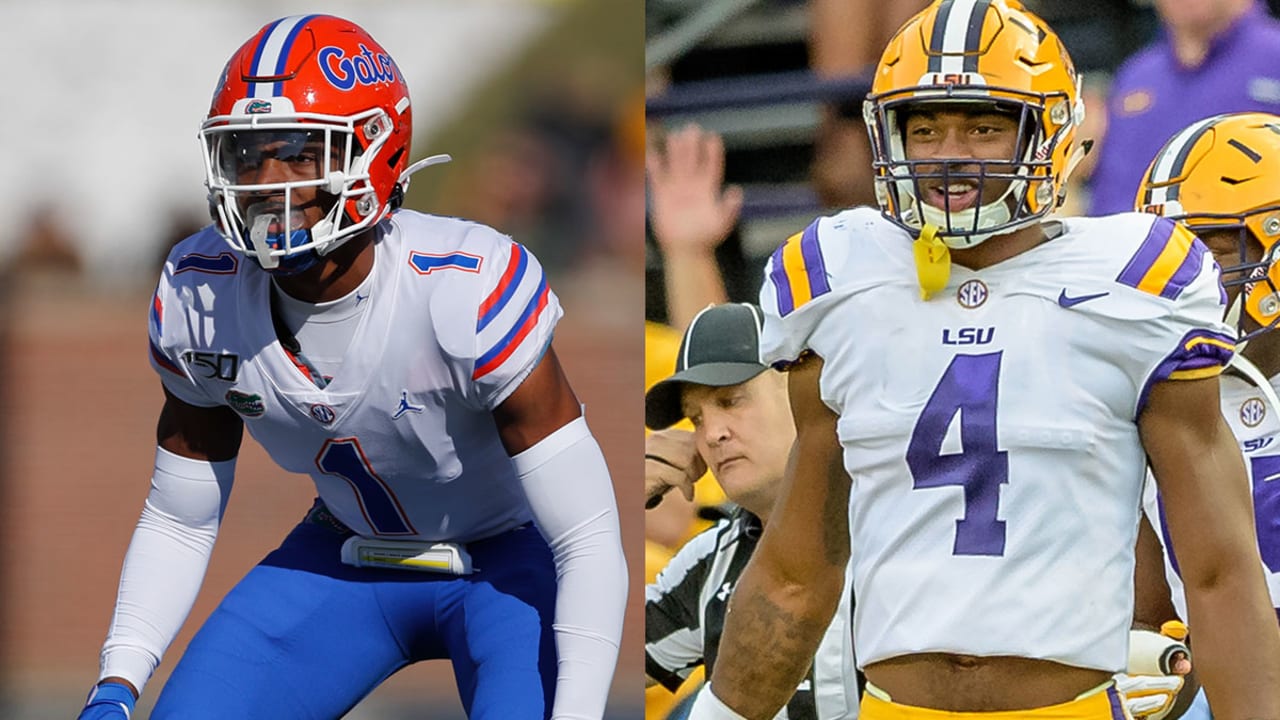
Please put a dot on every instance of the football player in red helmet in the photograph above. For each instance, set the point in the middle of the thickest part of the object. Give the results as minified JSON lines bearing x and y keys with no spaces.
{"x":339,"y":121}
{"x":404,"y":362}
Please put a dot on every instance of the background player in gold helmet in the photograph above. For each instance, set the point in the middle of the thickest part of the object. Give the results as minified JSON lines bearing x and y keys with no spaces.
{"x":1221,"y":177}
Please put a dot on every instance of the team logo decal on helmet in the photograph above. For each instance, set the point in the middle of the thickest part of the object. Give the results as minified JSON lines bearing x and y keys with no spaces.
{"x":1221,"y":176}
{"x":366,"y":68}
{"x":988,"y":53}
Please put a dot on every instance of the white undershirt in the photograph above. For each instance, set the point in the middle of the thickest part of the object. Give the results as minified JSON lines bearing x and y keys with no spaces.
{"x":324,"y":330}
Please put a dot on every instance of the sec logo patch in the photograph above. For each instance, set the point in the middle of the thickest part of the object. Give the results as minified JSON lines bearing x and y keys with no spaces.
{"x":1252,"y":412}
{"x":972,"y":293}
{"x":323,"y":413}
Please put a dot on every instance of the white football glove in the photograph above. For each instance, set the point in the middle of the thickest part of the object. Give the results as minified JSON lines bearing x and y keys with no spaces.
{"x":1148,"y":685}
{"x":1149,"y":697}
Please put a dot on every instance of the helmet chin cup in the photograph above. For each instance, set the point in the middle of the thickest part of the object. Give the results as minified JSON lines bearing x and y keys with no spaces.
{"x":964,"y":228}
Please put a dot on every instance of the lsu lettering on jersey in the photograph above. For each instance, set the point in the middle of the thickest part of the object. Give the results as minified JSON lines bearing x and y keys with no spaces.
{"x":1256,"y":424}
{"x":401,"y":442}
{"x":990,"y":432}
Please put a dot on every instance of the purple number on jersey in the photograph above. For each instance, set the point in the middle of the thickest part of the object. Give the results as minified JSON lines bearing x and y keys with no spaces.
{"x":346,"y":459}
{"x":968,"y":387}
{"x":1266,"y":513}
{"x":1266,"y":508}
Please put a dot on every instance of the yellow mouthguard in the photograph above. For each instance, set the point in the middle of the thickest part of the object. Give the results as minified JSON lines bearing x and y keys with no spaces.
{"x":933,"y":261}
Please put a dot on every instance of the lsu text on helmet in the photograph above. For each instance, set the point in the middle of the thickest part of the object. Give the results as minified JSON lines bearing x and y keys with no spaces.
{"x":991,"y":55}
{"x":317,"y":96}
{"x":1221,"y":177}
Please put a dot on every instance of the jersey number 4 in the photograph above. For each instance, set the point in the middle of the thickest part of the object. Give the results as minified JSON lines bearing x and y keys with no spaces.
{"x":968,"y":388}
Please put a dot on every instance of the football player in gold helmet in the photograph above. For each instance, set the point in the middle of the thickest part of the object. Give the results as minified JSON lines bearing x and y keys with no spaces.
{"x":954,"y":59}
{"x":1221,"y":177}
{"x":976,"y":440}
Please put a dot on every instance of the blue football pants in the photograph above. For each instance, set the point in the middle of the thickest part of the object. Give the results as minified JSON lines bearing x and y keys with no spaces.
{"x":304,"y":636}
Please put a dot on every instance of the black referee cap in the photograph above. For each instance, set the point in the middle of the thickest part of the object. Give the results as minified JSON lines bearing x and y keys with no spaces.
{"x":720,"y":348}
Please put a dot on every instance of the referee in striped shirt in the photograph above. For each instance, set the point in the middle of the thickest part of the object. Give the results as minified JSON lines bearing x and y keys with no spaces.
{"x":743,"y":434}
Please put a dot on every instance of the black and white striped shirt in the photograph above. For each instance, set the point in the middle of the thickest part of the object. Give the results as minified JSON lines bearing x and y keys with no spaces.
{"x":684,"y":618}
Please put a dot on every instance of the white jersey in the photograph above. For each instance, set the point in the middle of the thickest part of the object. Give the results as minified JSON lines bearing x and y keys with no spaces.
{"x":990,"y":432}
{"x":401,"y":443}
{"x":1256,"y":424}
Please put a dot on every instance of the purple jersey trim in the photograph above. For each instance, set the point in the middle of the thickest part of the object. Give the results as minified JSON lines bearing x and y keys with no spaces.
{"x":814,"y":267}
{"x":1141,"y":262}
{"x":1192,"y":353}
{"x":1186,"y":272}
{"x":781,"y":285}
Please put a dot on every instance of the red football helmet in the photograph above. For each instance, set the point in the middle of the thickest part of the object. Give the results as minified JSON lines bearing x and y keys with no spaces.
{"x":321,"y":96}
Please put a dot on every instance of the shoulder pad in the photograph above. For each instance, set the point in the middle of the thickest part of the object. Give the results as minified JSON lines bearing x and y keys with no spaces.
{"x":1167,"y":260}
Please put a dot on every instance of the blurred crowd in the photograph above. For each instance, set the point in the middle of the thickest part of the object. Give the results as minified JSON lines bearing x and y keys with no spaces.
{"x":545,"y":126}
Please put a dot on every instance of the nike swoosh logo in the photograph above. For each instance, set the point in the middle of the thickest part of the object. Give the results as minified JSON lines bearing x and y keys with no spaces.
{"x":1066,"y":301}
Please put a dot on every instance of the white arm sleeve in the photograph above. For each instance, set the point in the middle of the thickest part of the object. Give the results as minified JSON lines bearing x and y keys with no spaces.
{"x":571,"y":496}
{"x":165,"y":563}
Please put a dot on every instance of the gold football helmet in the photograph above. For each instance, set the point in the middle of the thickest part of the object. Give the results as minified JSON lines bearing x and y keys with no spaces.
{"x":996,"y":54}
{"x":1223,"y":174}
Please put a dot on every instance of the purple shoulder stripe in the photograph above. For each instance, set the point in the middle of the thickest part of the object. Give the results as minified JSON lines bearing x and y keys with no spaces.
{"x":814,"y":265}
{"x":1186,"y":272}
{"x":1150,"y":249}
{"x":781,"y":286}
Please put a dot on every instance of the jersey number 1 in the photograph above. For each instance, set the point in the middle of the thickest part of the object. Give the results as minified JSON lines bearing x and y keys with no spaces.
{"x":968,"y":388}
{"x":346,"y":459}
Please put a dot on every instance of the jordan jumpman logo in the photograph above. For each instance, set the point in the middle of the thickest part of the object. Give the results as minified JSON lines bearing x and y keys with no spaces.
{"x":406,"y":406}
